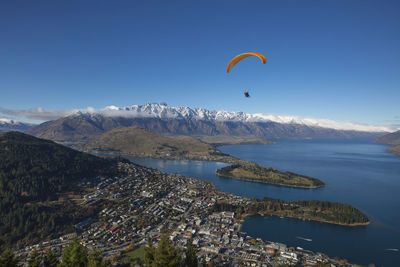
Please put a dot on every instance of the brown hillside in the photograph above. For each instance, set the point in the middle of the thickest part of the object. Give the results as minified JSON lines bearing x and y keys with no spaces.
{"x":137,"y":141}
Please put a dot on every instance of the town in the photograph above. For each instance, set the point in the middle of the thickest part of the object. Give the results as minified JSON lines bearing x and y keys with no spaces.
{"x":140,"y":202}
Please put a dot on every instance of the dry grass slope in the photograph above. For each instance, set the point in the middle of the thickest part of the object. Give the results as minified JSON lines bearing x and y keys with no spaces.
{"x":139,"y":142}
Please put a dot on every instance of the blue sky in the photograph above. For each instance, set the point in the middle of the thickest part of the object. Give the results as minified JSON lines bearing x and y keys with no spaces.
{"x":326,"y":59}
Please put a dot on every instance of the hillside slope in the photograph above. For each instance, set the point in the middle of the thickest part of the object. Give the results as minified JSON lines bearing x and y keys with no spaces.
{"x":390,"y":139}
{"x":34,"y":174}
{"x":139,"y":142}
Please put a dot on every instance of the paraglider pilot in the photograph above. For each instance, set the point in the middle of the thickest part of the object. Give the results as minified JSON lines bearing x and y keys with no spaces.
{"x":246,"y":94}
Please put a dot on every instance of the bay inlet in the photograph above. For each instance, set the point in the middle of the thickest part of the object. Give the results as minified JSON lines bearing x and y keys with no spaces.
{"x":356,"y":172}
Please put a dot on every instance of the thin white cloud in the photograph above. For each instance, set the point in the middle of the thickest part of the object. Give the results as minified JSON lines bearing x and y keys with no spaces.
{"x":41,"y":113}
{"x":164,"y":111}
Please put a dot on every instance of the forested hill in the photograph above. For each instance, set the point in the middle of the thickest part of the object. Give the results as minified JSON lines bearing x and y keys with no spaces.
{"x":37,"y":169}
{"x":316,"y":210}
{"x":33,"y":173}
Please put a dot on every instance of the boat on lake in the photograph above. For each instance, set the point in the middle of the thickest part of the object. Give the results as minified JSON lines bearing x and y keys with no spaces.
{"x":303,"y":238}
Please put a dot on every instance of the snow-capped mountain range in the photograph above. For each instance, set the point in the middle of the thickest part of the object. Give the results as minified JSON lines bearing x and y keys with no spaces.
{"x":86,"y":124}
{"x":12,"y":125}
{"x":163,"y":111}
{"x":4,"y":121}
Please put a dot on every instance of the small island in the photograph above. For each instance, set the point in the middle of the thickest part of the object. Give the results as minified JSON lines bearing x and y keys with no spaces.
{"x":250,"y":171}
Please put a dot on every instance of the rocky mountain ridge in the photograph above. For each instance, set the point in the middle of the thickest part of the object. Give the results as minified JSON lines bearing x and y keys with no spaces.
{"x":163,"y":111}
{"x":162,"y":119}
{"x":12,"y":125}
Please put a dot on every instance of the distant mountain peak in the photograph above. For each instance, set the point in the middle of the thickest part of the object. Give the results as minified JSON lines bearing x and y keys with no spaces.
{"x":8,"y":121}
{"x":13,"y":125}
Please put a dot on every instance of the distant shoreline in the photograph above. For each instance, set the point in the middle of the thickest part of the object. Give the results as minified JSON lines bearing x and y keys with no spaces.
{"x":224,"y":159}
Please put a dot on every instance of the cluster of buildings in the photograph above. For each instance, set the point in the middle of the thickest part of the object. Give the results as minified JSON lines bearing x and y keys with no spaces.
{"x":142,"y":203}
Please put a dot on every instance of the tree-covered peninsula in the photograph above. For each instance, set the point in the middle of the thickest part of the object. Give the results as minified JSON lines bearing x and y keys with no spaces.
{"x":250,"y":171}
{"x":315,"y":210}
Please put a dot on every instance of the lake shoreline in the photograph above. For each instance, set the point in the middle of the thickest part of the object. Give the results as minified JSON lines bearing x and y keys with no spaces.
{"x":296,"y":187}
{"x":222,"y":158}
{"x":229,"y":159}
{"x":352,"y":169}
{"x":276,"y":184}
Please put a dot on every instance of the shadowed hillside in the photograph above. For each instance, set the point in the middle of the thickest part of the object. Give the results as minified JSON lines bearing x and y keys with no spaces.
{"x":391,"y":139}
{"x":34,"y":175}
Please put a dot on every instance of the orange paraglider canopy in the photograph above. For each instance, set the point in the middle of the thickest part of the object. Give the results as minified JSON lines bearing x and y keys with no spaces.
{"x":242,"y":56}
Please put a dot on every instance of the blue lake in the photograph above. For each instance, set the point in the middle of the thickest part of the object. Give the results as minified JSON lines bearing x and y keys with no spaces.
{"x":357,"y":172}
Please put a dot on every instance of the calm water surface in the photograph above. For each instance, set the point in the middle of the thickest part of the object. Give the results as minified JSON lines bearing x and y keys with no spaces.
{"x":357,"y":172}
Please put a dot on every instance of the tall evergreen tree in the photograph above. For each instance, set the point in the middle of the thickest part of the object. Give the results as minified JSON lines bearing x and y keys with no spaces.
{"x":34,"y":259}
{"x":7,"y":259}
{"x":166,"y":254}
{"x":203,"y":261}
{"x":191,"y":257}
{"x":75,"y":255}
{"x":149,"y":253}
{"x":50,"y":260}
{"x":96,"y":259}
{"x":211,"y":264}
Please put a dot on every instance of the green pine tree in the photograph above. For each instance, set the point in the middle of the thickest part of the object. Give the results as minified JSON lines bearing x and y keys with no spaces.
{"x":203,"y":261}
{"x":7,"y":259}
{"x":149,"y":253}
{"x":96,"y":259}
{"x":166,"y":254}
{"x":211,"y":264}
{"x":50,"y":260}
{"x":34,"y":259}
{"x":75,"y":255}
{"x":191,"y":257}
